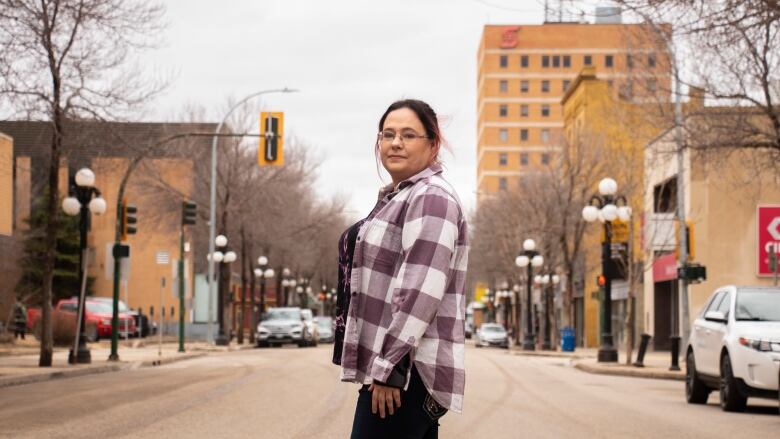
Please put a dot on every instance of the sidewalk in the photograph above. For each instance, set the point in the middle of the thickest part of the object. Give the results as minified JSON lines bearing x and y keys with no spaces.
{"x":19,"y":361}
{"x":656,"y":364}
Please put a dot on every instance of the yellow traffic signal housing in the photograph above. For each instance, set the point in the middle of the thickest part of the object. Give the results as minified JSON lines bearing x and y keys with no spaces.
{"x":128,"y":220}
{"x":690,"y":239}
{"x":271,"y":148}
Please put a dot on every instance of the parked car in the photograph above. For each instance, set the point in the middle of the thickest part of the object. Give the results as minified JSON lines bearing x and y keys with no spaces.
{"x":308,"y":319}
{"x":142,"y":327}
{"x":97,"y":316}
{"x":325,"y":328}
{"x":492,"y":334}
{"x":283,"y":325}
{"x":734,"y":347}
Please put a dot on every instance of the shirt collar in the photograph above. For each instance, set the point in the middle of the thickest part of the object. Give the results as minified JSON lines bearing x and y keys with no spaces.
{"x":431,"y":170}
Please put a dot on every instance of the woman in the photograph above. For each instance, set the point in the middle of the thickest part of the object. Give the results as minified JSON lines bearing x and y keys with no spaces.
{"x":401,"y":304}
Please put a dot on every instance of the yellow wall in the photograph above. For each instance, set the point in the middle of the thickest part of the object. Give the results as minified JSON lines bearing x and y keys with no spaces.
{"x":6,"y":185}
{"x":159,"y":217}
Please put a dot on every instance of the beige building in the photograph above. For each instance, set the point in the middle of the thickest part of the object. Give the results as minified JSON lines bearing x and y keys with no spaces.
{"x":723,"y":193}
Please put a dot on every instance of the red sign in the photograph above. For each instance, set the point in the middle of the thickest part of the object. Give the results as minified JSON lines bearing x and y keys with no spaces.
{"x":665,"y":268}
{"x":509,"y":37}
{"x":768,"y":237}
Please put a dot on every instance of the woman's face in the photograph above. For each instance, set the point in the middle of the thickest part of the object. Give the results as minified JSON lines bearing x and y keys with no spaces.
{"x":410,"y":150}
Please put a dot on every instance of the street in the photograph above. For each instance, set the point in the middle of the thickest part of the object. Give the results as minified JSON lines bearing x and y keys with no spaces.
{"x":294,"y":393}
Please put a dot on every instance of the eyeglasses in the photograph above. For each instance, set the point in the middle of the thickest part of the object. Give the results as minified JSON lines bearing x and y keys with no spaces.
{"x":388,"y":136}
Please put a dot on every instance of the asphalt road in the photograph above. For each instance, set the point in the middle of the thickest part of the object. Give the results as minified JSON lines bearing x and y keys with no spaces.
{"x":294,"y":393}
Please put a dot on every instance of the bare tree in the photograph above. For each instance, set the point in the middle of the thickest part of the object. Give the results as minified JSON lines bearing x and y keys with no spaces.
{"x":65,"y":59}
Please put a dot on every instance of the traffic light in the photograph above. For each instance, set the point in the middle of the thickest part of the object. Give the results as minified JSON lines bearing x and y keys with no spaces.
{"x":601,"y":280}
{"x":189,"y":212}
{"x":689,"y":239}
{"x":128,"y":219}
{"x":271,"y":150}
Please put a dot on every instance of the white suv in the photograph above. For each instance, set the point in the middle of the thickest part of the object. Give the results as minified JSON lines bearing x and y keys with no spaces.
{"x":735,"y":347}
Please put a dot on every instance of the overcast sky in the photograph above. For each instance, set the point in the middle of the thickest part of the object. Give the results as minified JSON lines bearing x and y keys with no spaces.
{"x":350,"y":59}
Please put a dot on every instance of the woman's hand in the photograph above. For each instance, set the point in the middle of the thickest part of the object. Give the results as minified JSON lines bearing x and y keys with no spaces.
{"x":381,"y":395}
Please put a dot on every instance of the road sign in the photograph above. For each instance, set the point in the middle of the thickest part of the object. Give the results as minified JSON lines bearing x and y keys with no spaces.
{"x":619,"y":232}
{"x":271,"y":148}
{"x":768,"y":219}
{"x":162,"y":257}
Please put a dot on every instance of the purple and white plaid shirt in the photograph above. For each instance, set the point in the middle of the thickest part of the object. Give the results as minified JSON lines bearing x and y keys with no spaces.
{"x":407,"y":288}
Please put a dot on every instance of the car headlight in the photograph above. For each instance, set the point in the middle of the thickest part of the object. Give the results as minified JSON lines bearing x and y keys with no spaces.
{"x":760,"y":344}
{"x":262,"y":330}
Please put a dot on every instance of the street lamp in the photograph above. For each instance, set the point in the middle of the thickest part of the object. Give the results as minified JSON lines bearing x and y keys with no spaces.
{"x":607,"y":207}
{"x":225,"y":258}
{"x":213,"y":187}
{"x":84,"y":198}
{"x":263,"y":272}
{"x":530,"y":258}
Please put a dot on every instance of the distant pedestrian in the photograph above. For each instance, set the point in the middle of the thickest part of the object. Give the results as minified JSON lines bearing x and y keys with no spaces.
{"x":400,"y":326}
{"x":20,"y":320}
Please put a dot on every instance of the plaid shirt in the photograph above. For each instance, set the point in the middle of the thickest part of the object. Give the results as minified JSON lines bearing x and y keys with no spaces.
{"x":407,"y":288}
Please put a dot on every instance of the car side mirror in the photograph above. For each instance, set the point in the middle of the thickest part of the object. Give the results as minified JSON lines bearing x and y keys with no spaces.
{"x":715,"y":316}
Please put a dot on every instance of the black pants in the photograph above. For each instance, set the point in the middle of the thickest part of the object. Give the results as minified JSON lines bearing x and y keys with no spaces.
{"x":417,"y":418}
{"x":19,"y":334}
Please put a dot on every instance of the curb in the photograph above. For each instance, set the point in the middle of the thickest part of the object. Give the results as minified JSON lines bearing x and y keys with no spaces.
{"x":638,"y":373}
{"x":550,"y":354}
{"x":92,"y":370}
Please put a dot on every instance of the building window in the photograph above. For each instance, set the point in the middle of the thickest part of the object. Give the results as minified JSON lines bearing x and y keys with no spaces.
{"x":566,"y":84}
{"x":665,"y":197}
{"x":503,"y":135}
{"x":556,"y":61}
{"x":502,"y":160}
{"x":629,"y":61}
{"x":524,"y":110}
{"x":587,"y":60}
{"x":524,"y":158}
{"x":524,"y":135}
{"x":545,"y":110}
{"x":545,"y":86}
{"x":545,"y":136}
{"x":545,"y":61}
{"x":502,"y":183}
{"x":523,"y":86}
{"x":524,"y":61}
{"x":651,"y":60}
{"x":652,"y":86}
{"x":566,"y":61}
{"x":503,"y":86}
{"x":608,"y":60}
{"x":545,"y":158}
{"x":502,"y":110}
{"x":503,"y":61}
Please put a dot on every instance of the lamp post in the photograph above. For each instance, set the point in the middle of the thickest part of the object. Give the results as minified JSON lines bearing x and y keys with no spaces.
{"x":225,"y":258}
{"x":530,"y":258}
{"x":607,"y":207}
{"x":84,"y":198}
{"x":504,"y":297}
{"x":263,"y":272}
{"x":545,"y":281}
{"x":213,"y":189}
{"x":287,"y":283}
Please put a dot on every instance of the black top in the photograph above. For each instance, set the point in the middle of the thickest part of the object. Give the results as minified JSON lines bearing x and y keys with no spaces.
{"x":346,"y":252}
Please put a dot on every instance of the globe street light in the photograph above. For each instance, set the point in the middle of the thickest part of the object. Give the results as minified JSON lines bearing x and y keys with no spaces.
{"x":607,"y":207}
{"x":530,"y":258}
{"x":225,"y":258}
{"x":84,"y":198}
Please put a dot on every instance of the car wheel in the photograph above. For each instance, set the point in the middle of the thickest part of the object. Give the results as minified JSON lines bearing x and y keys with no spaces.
{"x":261,"y":344}
{"x":730,"y":398}
{"x":696,"y":392}
{"x":301,"y":344}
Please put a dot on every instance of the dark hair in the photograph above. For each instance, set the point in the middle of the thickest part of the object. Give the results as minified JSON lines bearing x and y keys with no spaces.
{"x":426,"y":115}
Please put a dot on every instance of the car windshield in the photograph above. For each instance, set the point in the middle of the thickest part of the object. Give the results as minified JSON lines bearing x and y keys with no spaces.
{"x":283,"y":314}
{"x":493,"y":328}
{"x":99,"y":308}
{"x":758,"y":305}
{"x":324,"y":323}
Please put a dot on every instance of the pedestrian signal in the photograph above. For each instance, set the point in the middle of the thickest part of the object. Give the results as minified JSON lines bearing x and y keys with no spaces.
{"x":128,"y":220}
{"x":601,"y":280}
{"x":271,"y":148}
{"x":189,"y":213}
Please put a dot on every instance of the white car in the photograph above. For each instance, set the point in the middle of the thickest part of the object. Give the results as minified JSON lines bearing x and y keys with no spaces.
{"x":492,"y":334}
{"x":735,"y":347}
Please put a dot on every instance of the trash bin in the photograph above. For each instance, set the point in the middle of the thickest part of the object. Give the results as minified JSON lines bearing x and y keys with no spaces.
{"x":567,"y":339}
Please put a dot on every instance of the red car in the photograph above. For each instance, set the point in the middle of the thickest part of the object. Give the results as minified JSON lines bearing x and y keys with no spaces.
{"x":98,"y":313}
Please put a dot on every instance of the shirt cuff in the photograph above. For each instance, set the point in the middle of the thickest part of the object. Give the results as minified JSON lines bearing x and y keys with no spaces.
{"x":381,"y":369}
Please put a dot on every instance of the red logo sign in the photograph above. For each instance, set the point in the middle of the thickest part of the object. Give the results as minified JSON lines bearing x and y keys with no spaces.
{"x":768,"y":237}
{"x":509,"y":37}
{"x":665,"y":268}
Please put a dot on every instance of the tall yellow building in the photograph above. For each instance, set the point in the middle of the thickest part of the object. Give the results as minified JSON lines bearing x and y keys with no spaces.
{"x":525,"y":70}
